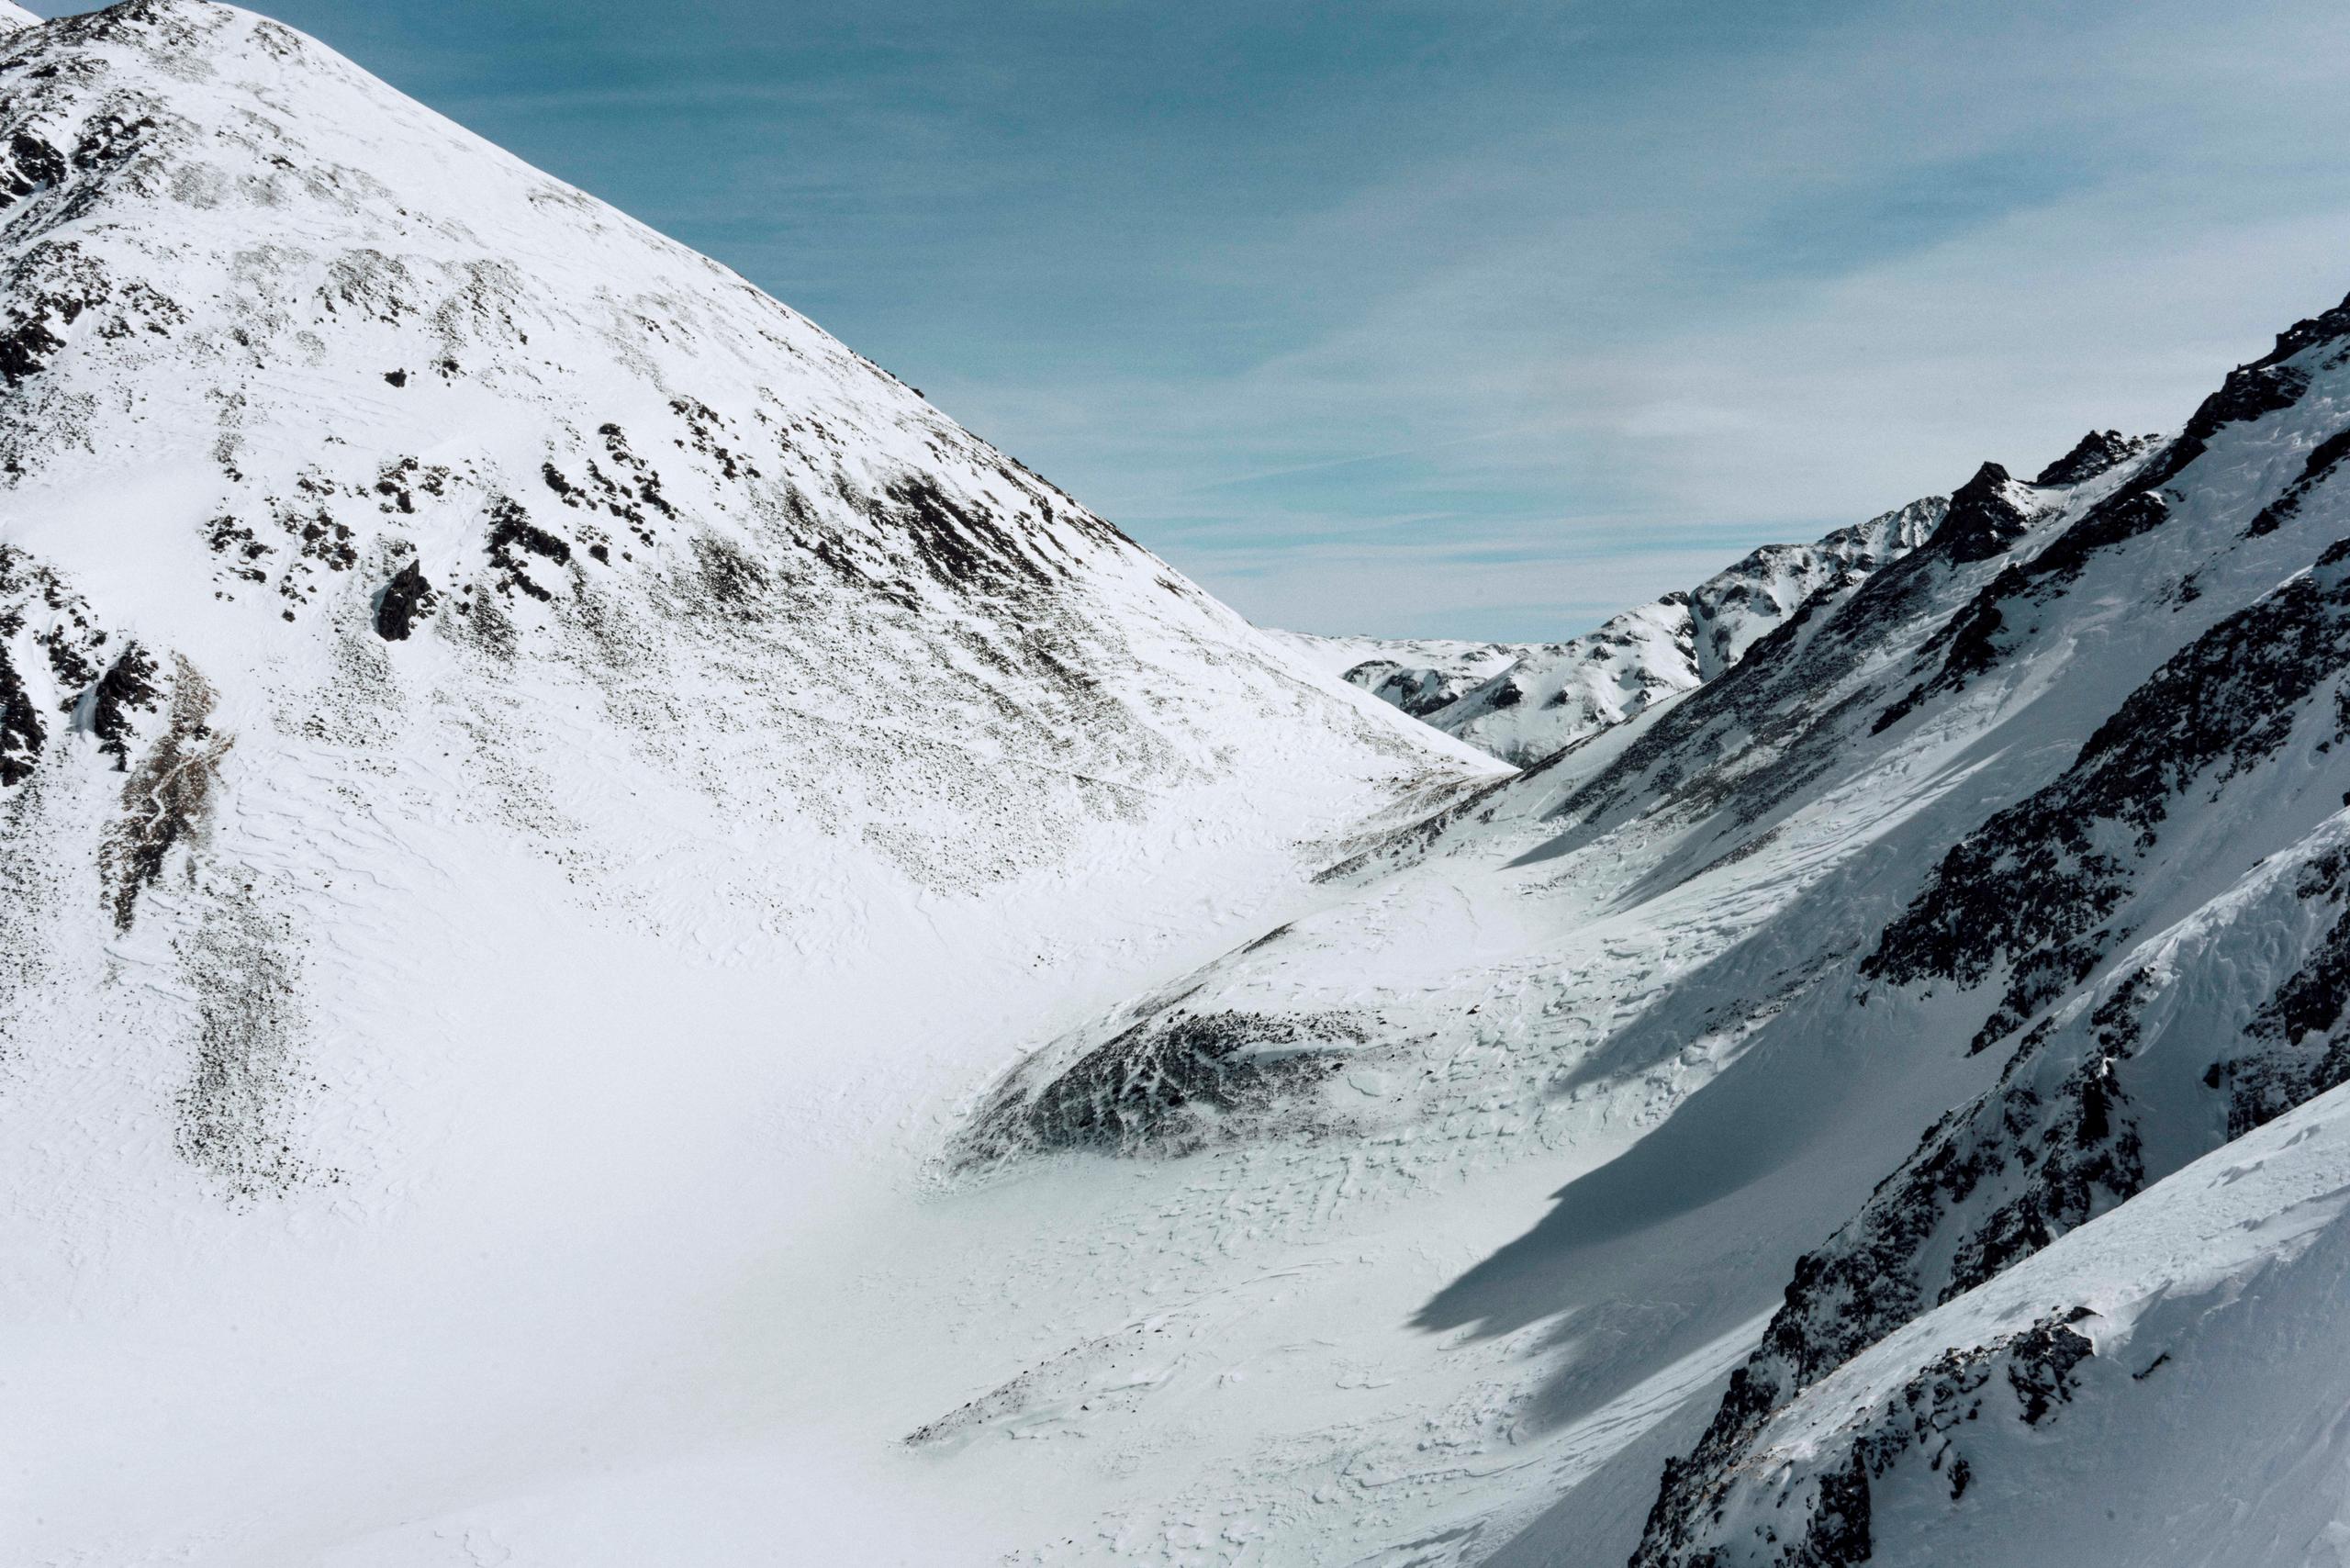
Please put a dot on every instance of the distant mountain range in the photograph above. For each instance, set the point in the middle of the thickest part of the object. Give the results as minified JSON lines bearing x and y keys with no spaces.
{"x":1524,"y":700}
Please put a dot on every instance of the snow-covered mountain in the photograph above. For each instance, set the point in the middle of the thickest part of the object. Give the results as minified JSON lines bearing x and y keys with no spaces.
{"x":2161,"y":1386}
{"x":522,"y":760}
{"x":1951,"y":852}
{"x":1419,"y":674}
{"x":624,"y":945}
{"x":1522,"y":702}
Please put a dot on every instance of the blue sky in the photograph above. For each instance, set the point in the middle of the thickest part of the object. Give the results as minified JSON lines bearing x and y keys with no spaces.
{"x":1463,"y":318}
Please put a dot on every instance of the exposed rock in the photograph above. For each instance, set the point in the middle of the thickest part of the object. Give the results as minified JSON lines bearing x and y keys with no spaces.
{"x":1985,"y":518}
{"x":1170,"y":1085}
{"x":168,"y":800}
{"x":128,"y":687}
{"x":21,"y":734}
{"x":2097,"y":452}
{"x":2035,"y":885}
{"x":404,"y":600}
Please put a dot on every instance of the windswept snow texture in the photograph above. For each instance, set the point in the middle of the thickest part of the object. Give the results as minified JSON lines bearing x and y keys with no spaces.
{"x":621,"y":944}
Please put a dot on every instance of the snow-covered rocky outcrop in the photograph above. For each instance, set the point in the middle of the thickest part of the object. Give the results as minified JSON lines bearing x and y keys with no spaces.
{"x":2163,"y":1385}
{"x":2125,"y":1062}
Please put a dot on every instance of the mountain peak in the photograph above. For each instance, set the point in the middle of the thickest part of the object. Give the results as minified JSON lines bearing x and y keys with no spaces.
{"x":1985,"y":516}
{"x":14,"y":16}
{"x":2322,"y":328}
{"x":2095,"y":453}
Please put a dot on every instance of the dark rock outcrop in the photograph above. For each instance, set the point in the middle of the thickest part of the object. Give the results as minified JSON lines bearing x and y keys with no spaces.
{"x":407,"y":598}
{"x":1983,"y":520}
{"x":1170,"y":1084}
{"x":128,"y":687}
{"x":21,"y":734}
{"x":2035,"y":885}
{"x":2099,"y":451}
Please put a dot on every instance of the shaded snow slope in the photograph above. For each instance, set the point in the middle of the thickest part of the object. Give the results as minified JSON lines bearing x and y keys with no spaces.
{"x":2163,"y":1385}
{"x":2222,"y":755}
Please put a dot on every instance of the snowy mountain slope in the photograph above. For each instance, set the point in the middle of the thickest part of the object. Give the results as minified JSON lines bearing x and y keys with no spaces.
{"x":1553,"y":695}
{"x":2118,"y":1089}
{"x":1655,"y":959}
{"x":529,"y":777}
{"x":2161,"y":1386}
{"x":1487,"y":918}
{"x":474,"y":405}
{"x":1556,"y":694}
{"x":1524,"y":701}
{"x":1485,"y":1010}
{"x":624,"y":945}
{"x":2220,"y":756}
{"x":1737,"y":606}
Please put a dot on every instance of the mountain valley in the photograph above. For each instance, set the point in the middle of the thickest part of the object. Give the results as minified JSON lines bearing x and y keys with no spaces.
{"x":625,"y":945}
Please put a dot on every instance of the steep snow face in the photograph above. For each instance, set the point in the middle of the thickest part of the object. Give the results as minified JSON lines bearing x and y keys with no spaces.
{"x":2163,"y":1385}
{"x":366,"y":386}
{"x":2110,"y":1095}
{"x":532,"y":780}
{"x":2160,"y":1386}
{"x":1554,"y":695}
{"x":2127,"y":1061}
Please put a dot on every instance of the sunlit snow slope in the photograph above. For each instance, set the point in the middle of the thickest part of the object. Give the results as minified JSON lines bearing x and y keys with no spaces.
{"x":529,"y":777}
